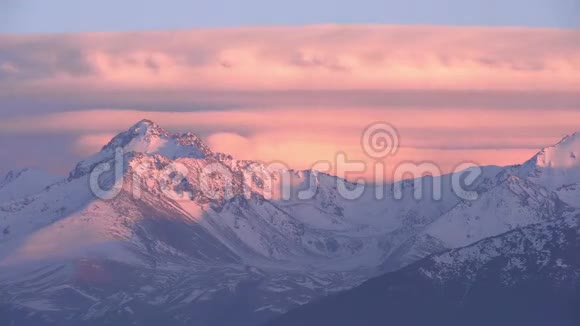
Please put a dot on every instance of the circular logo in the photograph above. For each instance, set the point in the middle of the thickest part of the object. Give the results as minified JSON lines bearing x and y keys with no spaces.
{"x":380,"y":140}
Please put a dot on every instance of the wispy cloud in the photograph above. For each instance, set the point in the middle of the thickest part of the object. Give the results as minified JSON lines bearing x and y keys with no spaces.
{"x":303,"y":119}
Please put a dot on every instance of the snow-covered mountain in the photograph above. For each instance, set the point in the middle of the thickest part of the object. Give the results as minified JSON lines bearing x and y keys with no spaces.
{"x":186,"y":232}
{"x":528,"y":276}
{"x":510,"y":203}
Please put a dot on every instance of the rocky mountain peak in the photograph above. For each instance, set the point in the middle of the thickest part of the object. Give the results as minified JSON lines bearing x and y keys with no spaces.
{"x":148,"y":138}
{"x":564,"y":154}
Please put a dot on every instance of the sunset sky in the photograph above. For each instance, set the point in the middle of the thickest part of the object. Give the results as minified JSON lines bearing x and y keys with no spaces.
{"x":492,"y":89}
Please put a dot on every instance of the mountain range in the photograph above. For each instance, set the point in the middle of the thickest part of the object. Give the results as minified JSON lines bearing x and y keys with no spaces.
{"x":183,"y":234}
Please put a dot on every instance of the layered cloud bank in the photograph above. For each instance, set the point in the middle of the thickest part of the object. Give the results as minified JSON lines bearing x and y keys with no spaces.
{"x":295,"y":94}
{"x":317,"y":57}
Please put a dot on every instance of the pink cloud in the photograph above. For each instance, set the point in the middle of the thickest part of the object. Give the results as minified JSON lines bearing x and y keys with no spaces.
{"x":307,"y":150}
{"x":301,"y":137}
{"x":301,"y":94}
{"x":88,"y":144}
{"x":312,"y":57}
{"x":473,"y":123}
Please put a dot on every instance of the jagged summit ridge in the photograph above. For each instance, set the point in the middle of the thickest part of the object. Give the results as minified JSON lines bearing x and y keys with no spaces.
{"x":148,"y":138}
{"x":564,"y":154}
{"x":556,"y":168}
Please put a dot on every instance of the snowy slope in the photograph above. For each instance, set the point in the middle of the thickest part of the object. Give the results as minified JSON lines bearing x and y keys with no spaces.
{"x":23,"y":183}
{"x":513,"y":203}
{"x":506,"y":202}
{"x":557,"y":168}
{"x":528,"y":276}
